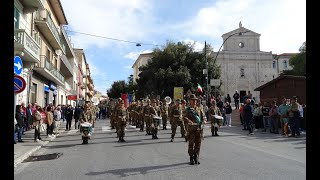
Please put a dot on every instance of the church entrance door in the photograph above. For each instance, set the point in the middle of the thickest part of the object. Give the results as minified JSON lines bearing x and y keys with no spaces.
{"x":242,"y":95}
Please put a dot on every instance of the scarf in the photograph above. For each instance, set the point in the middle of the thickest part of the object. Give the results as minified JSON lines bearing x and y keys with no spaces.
{"x":195,"y":114}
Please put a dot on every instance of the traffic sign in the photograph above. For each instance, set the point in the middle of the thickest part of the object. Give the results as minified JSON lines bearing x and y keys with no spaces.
{"x":19,"y":84}
{"x":18,"y":66}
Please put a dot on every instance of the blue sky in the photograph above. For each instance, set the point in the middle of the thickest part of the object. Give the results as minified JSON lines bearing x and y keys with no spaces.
{"x":281,"y":23}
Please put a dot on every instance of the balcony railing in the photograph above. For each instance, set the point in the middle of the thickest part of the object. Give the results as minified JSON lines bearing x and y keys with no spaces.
{"x":45,"y":63}
{"x":67,"y":63}
{"x":68,"y":86}
{"x":44,"y":15}
{"x":28,"y":42}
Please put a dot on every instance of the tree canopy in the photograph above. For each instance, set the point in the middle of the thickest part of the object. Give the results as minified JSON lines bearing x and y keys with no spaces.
{"x":298,"y":62}
{"x":175,"y":65}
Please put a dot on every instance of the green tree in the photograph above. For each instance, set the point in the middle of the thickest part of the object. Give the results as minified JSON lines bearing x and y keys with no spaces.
{"x":175,"y":65}
{"x":298,"y":62}
{"x":117,"y":88}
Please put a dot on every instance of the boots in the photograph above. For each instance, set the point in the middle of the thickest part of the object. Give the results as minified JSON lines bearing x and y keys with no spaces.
{"x":155,"y":135}
{"x":212,"y":131}
{"x":191,"y":160}
{"x":122,"y":140}
{"x":216,"y":131}
{"x":186,"y":139}
{"x":196,"y":159}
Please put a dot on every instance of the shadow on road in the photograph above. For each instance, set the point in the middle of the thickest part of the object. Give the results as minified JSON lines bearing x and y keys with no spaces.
{"x":135,"y":171}
{"x":146,"y":143}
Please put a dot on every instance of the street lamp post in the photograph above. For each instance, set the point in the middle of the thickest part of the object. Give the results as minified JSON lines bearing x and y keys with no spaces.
{"x":215,"y":59}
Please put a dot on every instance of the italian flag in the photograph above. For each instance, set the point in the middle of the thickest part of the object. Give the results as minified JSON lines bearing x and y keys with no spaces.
{"x":199,"y":88}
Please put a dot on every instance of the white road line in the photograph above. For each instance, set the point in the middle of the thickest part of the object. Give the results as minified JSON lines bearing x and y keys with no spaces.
{"x":73,"y":131}
{"x":105,"y":128}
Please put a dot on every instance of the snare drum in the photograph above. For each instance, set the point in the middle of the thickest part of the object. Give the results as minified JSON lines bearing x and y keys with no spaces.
{"x":156,"y":120}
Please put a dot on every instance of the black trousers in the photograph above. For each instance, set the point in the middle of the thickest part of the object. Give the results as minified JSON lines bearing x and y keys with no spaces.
{"x":68,"y":126}
{"x":49,"y":129}
{"x":36,"y":134}
{"x":249,"y":124}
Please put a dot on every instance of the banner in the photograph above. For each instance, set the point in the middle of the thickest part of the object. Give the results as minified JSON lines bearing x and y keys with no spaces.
{"x":130,"y":98}
{"x":178,"y":93}
{"x":124,"y":97}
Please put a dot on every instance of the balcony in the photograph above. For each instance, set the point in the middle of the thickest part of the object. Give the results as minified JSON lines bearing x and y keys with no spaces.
{"x":23,"y":42}
{"x":90,"y":86}
{"x":47,"y":69}
{"x":45,"y":23}
{"x":64,"y":37}
{"x":32,"y":5}
{"x":66,"y":68}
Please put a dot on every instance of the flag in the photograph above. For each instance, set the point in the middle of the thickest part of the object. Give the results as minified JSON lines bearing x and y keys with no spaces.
{"x":199,"y":88}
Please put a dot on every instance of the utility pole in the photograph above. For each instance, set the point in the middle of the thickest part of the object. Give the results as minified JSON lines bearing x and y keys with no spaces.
{"x":205,"y":57}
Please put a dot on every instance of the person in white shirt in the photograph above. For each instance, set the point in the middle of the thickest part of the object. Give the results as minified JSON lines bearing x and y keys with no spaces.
{"x":301,"y":116}
{"x":57,"y":118}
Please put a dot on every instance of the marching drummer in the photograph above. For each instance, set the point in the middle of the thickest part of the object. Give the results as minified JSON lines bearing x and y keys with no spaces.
{"x":154,"y":121}
{"x":164,"y":114}
{"x":84,"y":117}
{"x":216,"y":123}
{"x":146,"y":117}
{"x":122,"y":115}
{"x":176,"y":120}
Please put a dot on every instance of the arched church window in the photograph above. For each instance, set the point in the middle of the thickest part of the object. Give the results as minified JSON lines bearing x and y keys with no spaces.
{"x":242,"y":72}
{"x":274,"y":64}
{"x":285,"y":64}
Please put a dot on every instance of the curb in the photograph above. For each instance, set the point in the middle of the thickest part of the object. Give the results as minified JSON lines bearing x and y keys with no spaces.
{"x":33,"y":150}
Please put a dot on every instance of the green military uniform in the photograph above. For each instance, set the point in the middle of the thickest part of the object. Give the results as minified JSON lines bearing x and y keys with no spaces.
{"x":154,"y":122}
{"x":130,"y":114}
{"x":122,"y":115}
{"x":164,"y":109}
{"x":147,"y":118}
{"x":135,"y":113}
{"x":176,"y":120}
{"x":140,"y":116}
{"x":183,"y":107}
{"x":85,"y":116}
{"x":215,"y":123}
{"x":195,"y":118}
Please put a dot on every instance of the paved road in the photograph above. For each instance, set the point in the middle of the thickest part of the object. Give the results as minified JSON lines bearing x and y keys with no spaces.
{"x":233,"y":155}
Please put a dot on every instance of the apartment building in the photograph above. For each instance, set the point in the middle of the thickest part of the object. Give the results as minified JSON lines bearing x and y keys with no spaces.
{"x":48,"y":58}
{"x":281,"y":62}
{"x":81,"y":72}
{"x":142,"y":60}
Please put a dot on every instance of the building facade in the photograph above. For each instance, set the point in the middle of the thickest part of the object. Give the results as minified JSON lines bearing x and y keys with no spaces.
{"x":49,"y":62}
{"x":142,"y":60}
{"x":281,"y":62}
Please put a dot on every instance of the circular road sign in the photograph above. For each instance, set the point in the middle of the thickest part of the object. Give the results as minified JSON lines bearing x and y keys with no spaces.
{"x":19,"y":84}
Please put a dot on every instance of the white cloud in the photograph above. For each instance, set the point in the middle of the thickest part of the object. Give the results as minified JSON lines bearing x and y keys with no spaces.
{"x":197,"y":46}
{"x":127,"y":67}
{"x":282,"y":24}
{"x":125,"y":20}
{"x":134,"y":55}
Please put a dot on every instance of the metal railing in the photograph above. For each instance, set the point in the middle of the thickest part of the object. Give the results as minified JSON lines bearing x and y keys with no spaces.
{"x":44,"y":15}
{"x":45,"y":63}
{"x":67,"y":63}
{"x":28,"y":42}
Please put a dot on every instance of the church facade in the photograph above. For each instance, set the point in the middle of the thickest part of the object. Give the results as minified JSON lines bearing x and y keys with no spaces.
{"x":244,"y":66}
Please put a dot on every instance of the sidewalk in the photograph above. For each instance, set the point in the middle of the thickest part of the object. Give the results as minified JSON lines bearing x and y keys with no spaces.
{"x":23,"y":150}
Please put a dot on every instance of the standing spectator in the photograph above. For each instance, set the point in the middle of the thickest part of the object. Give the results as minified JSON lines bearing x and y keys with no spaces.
{"x":273,"y":113}
{"x":283,"y":113}
{"x":19,"y":126}
{"x":303,"y":125}
{"x":49,"y":116}
{"x":37,"y":118}
{"x":25,"y":121}
{"x":57,"y":119}
{"x":260,"y":119}
{"x":63,"y":113}
{"x":294,"y":115}
{"x":69,"y":115}
{"x":301,"y":117}
{"x":29,"y":115}
{"x":236,"y":97}
{"x":249,"y":95}
{"x":248,"y":116}
{"x":228,"y":113}
{"x":256,"y":116}
{"x":76,"y":115}
{"x":266,"y":116}
{"x":241,"y":116}
{"x":97,"y":112}
{"x":228,"y":99}
{"x":100,"y":110}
